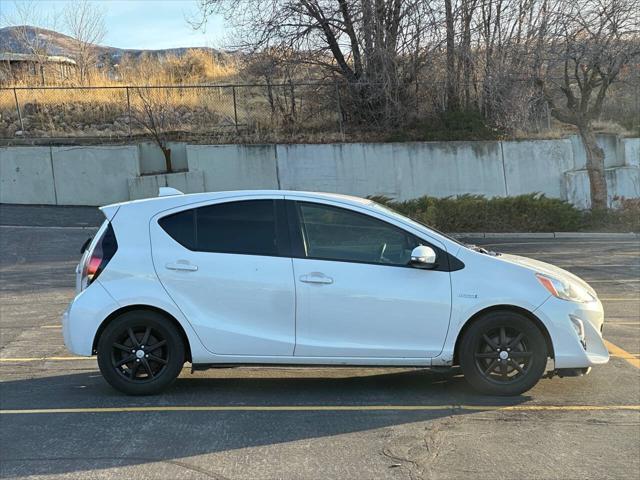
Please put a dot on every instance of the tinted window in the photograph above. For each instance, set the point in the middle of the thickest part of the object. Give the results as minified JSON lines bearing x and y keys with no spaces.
{"x":181,"y":227}
{"x":246,"y":227}
{"x":237,"y":227}
{"x":337,"y":234}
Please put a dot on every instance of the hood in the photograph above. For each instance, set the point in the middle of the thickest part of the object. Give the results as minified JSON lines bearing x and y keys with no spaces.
{"x":546,"y":268}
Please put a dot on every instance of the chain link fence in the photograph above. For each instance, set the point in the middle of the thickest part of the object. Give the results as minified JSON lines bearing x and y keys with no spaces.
{"x":257,"y":112}
{"x":182,"y":111}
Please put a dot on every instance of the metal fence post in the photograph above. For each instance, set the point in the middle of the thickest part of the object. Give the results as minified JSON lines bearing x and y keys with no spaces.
{"x":339,"y":107}
{"x":15,"y":96}
{"x":235,"y":107}
{"x":129,"y":110}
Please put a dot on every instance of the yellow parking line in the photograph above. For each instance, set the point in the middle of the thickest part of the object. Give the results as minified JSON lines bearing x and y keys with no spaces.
{"x":43,"y":359}
{"x":620,"y":353}
{"x":327,"y":408}
{"x":621,"y":299}
{"x":51,"y":326}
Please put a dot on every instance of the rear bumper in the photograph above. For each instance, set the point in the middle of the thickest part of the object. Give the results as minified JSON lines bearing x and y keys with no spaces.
{"x":83,"y":316}
{"x":569,"y":352}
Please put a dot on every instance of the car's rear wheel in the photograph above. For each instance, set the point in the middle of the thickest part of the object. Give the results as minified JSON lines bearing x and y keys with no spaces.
{"x":503,"y":353}
{"x":140,"y":352}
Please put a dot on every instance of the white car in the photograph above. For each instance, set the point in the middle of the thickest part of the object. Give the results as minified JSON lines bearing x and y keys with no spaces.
{"x":295,"y":278}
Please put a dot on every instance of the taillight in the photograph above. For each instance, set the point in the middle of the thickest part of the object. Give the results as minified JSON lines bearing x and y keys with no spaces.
{"x":98,"y":256}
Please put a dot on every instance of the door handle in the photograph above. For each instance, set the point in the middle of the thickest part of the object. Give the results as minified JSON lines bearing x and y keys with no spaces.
{"x":181,"y":266}
{"x":316,"y":278}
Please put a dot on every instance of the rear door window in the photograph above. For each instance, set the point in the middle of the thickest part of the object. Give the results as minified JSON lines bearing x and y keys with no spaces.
{"x":245,"y":227}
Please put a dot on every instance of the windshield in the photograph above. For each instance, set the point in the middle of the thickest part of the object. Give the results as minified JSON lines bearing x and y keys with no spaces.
{"x":417,"y":223}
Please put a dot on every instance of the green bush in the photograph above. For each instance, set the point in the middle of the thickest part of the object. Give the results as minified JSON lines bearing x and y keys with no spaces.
{"x":524,"y":213}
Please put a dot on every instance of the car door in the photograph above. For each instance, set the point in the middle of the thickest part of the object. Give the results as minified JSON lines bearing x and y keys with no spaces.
{"x":227,"y":267}
{"x":356,"y":295}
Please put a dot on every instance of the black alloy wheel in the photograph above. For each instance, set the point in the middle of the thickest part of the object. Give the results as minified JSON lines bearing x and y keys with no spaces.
{"x":503,"y":353}
{"x":141,"y":352}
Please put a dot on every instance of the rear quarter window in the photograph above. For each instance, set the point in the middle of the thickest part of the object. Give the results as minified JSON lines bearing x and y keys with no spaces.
{"x":181,"y":227}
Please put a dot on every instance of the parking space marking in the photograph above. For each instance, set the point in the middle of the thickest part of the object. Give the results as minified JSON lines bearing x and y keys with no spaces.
{"x":618,"y":352}
{"x":51,"y":326}
{"x":610,"y":280}
{"x":52,"y":227}
{"x":43,"y":359}
{"x":618,"y":299}
{"x":555,"y":242}
{"x":325,"y":408}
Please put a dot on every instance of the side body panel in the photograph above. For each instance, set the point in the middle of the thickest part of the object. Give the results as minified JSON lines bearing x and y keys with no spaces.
{"x":238,"y":304}
{"x":371,"y":310}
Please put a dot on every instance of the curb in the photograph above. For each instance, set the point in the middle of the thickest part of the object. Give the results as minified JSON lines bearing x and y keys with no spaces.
{"x":583,"y":235}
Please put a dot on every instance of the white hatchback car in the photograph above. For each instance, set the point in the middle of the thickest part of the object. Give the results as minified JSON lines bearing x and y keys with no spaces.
{"x":295,"y":278}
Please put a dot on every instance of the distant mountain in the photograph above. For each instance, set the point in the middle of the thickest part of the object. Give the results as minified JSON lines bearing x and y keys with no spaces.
{"x":60,"y":44}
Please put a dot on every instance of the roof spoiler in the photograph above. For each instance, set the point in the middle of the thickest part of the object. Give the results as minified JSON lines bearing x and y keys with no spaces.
{"x":110,"y":211}
{"x":168,"y":191}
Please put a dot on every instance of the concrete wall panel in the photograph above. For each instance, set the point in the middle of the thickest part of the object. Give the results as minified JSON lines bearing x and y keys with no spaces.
{"x":94,"y":175}
{"x":147,"y":186}
{"x":537,"y":166}
{"x":152,"y":158}
{"x":399,"y":170}
{"x":613,"y":156}
{"x":577,"y":187}
{"x":234,"y":167}
{"x":26,"y":176}
{"x":622,"y":182}
{"x":630,"y":148}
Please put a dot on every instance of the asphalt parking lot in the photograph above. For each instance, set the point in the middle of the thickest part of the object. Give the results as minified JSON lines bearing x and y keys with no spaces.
{"x":59,"y":419}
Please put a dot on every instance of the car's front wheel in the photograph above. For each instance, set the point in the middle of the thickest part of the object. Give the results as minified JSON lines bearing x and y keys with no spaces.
{"x":140,"y":352}
{"x":503,"y":353}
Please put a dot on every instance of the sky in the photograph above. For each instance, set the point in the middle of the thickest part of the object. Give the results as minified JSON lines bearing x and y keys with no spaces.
{"x":141,"y":24}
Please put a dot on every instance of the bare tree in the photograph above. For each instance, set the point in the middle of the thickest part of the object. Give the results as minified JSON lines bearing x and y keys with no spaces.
{"x":151,"y":108}
{"x":85,"y":23}
{"x":374,"y":46}
{"x":589,"y":45}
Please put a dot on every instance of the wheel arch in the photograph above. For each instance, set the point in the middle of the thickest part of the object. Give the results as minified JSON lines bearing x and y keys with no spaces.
{"x":512,"y":308}
{"x":116,"y":313}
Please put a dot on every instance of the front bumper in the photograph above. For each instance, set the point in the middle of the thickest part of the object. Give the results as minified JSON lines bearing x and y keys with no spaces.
{"x":569,"y":353}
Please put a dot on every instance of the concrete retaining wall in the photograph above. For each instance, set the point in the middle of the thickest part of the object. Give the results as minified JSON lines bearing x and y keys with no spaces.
{"x":105,"y":174}
{"x":234,"y":167}
{"x":152,"y":159}
{"x":398,"y":170}
{"x":148,"y":185}
{"x":93,"y":175}
{"x":537,"y":166}
{"x":26,"y":176}
{"x":631,"y":151}
{"x":622,"y":182}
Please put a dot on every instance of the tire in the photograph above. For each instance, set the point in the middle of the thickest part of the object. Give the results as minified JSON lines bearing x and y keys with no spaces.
{"x":503,"y":353}
{"x":140,"y":352}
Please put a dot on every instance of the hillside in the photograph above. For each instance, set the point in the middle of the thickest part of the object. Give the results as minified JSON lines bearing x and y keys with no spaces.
{"x":60,"y":44}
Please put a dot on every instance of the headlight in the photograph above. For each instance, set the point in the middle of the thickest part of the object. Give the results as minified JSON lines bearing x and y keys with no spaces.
{"x":565,"y":290}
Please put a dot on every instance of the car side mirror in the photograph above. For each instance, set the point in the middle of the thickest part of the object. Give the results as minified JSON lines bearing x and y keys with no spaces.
{"x":423,"y":257}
